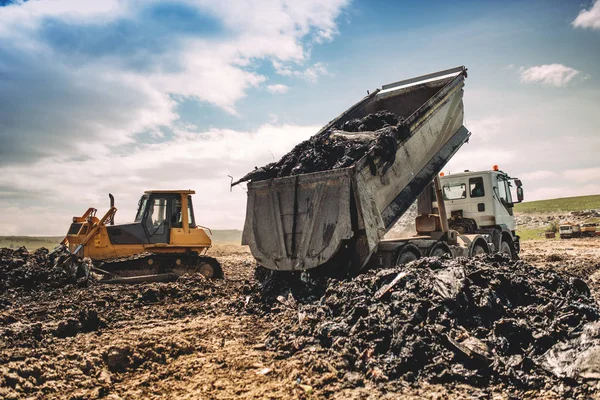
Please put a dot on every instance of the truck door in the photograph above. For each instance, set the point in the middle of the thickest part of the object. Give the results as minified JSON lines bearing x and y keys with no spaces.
{"x":156,"y":222}
{"x":504,"y":204}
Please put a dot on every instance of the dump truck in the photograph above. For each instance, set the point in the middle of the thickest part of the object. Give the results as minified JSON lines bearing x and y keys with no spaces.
{"x":569,"y":230}
{"x":338,"y":218}
{"x":163,"y":242}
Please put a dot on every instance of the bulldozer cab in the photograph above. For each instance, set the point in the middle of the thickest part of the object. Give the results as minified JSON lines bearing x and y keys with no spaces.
{"x":159,"y":211}
{"x":164,"y":232}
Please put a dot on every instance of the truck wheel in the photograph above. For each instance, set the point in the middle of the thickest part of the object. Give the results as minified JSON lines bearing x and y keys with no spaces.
{"x":439,"y":250}
{"x":478,"y":249}
{"x":407,"y":254}
{"x":506,"y":248}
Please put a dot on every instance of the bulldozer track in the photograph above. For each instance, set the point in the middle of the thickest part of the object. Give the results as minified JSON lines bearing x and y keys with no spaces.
{"x":156,"y":263}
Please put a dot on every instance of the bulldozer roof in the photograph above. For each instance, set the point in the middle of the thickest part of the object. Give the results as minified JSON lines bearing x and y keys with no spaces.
{"x":171,"y":191}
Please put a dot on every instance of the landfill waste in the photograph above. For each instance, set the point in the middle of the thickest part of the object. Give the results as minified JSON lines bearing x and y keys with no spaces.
{"x":41,"y":268}
{"x":338,"y":147}
{"x":578,"y":357}
{"x":480,"y":321}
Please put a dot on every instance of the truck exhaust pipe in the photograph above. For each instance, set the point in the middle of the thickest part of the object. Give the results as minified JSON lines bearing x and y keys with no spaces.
{"x":112,"y":204}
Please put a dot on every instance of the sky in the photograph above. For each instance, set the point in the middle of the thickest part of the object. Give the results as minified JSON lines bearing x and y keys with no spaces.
{"x":123,"y":96}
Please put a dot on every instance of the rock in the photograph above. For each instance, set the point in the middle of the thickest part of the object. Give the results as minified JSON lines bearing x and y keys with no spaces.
{"x":118,"y":359}
{"x":105,"y":377}
{"x":150,"y":295}
{"x":67,"y":328}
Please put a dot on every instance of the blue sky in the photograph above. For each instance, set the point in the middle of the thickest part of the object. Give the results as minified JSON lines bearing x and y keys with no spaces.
{"x":129,"y":95}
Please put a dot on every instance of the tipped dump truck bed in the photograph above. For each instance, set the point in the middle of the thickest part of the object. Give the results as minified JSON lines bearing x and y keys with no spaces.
{"x":339,"y":216}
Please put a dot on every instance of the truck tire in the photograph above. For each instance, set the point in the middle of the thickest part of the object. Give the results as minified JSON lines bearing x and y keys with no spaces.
{"x":506,"y":248}
{"x":478,"y":249}
{"x":407,"y":254}
{"x":439,"y":250}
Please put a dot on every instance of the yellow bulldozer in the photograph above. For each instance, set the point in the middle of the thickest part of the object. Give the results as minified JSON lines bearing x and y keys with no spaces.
{"x":162,"y":243}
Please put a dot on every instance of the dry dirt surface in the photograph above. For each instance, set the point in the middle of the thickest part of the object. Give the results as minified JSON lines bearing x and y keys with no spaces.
{"x":202,"y":339}
{"x":580,"y":257}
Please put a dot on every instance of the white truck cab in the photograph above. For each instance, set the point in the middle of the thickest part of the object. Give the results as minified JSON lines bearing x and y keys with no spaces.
{"x":480,"y":197}
{"x":482,"y":202}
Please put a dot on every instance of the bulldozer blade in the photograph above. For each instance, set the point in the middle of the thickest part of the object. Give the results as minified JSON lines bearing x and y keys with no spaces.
{"x":132,"y":280}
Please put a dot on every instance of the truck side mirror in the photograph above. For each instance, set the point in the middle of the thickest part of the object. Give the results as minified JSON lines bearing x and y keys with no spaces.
{"x":520,"y":195}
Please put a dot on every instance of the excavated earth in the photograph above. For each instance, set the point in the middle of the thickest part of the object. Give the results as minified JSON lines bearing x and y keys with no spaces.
{"x":478,"y":328}
{"x":338,"y":147}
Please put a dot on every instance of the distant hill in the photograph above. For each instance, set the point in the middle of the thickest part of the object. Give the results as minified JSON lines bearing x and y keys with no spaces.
{"x":227,"y":236}
{"x":31,"y":242}
{"x":232,"y":236}
{"x":565,"y":204}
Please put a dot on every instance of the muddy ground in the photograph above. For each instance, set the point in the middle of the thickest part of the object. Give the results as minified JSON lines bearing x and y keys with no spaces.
{"x":198,"y":339}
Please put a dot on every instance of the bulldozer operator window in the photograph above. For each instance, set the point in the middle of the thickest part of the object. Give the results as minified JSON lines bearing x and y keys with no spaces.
{"x":155,"y":221}
{"x":191,"y":213}
{"x":476,"y":187}
{"x":455,"y":191}
{"x":141,"y":208}
{"x":176,"y":216}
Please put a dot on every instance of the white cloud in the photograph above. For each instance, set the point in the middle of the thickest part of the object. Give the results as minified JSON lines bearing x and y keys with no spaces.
{"x":550,"y":74}
{"x":486,"y":128}
{"x":190,"y":160}
{"x":539,"y":175}
{"x":104,"y":98}
{"x":589,"y":18}
{"x":310,"y":74}
{"x":558,"y":191}
{"x":582,"y":175}
{"x":278,"y":88}
{"x":480,"y":158}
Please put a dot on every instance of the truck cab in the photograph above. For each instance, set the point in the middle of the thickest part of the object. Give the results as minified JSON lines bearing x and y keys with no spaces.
{"x":478,"y":200}
{"x":568,"y":231}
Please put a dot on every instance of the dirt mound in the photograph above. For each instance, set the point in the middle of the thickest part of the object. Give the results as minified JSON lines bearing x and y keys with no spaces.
{"x":52,"y":340}
{"x":339,"y":147}
{"x":22,"y":269}
{"x":481,"y":321}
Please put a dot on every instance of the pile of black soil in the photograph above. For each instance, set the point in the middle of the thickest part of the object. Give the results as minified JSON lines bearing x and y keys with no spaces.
{"x":332,"y":149}
{"x":41,"y":269}
{"x":486,"y":320}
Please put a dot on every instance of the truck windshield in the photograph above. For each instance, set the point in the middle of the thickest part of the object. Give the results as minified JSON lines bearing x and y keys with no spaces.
{"x":455,"y":191}
{"x":141,"y":207}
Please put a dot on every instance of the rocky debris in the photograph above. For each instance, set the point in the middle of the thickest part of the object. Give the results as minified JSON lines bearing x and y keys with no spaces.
{"x":29,"y":270}
{"x":339,"y":147}
{"x":586,"y":213}
{"x":481,"y":321}
{"x":544,"y":220}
